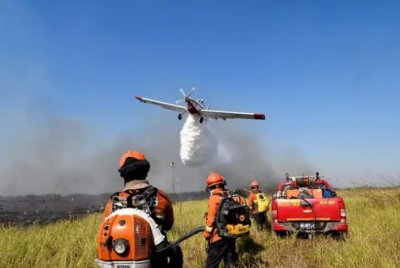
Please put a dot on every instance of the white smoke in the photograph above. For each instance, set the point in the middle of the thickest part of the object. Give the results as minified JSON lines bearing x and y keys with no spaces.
{"x":198,"y":145}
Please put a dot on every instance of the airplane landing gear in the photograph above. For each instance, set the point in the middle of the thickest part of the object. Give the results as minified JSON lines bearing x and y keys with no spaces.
{"x":180,"y":116}
{"x":201,"y":120}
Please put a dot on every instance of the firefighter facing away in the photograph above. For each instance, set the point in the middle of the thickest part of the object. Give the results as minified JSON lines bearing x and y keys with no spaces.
{"x":258,"y":204}
{"x":133,"y":168}
{"x":221,"y":232}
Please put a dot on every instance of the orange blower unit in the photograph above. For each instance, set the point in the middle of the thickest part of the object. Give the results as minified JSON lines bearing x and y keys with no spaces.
{"x":127,"y":238}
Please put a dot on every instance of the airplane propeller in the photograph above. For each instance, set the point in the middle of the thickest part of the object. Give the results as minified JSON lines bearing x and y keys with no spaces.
{"x":183,"y":92}
{"x":185,"y":97}
{"x":191,"y":92}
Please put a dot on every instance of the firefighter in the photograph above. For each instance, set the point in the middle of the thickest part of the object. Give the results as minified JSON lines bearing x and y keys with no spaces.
{"x":133,"y":168}
{"x":219,"y":248}
{"x":258,"y":205}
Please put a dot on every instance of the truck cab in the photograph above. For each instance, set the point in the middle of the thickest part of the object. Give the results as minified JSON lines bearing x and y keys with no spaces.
{"x":308,"y":205}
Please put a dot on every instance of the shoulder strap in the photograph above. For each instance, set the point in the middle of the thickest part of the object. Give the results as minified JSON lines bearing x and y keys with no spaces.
{"x":220,"y":194}
{"x":224,"y":194}
{"x":149,"y":191}
{"x":114,"y":195}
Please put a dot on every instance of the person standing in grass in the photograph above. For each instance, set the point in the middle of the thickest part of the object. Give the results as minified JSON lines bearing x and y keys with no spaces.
{"x":258,"y":205}
{"x":133,"y":168}
{"x":219,"y":247}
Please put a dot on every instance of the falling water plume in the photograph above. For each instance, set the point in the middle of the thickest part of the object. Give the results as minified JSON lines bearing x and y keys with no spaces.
{"x":198,"y":145}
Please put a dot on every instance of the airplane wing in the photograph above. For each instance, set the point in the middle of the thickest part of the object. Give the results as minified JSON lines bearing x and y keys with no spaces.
{"x":165,"y":105}
{"x":230,"y":115}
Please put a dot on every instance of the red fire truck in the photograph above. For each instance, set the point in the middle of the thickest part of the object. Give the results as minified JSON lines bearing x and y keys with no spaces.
{"x":306,"y":205}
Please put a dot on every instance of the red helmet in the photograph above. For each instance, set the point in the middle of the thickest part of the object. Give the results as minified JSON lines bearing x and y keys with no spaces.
{"x":254,"y":184}
{"x":130,"y":153}
{"x":214,"y":179}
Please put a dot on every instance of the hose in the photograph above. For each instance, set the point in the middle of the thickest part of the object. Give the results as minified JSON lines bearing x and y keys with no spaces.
{"x":312,"y":209}
{"x":182,"y":238}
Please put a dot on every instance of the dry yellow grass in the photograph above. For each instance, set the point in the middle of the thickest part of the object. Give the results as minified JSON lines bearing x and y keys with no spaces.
{"x":374,"y":239}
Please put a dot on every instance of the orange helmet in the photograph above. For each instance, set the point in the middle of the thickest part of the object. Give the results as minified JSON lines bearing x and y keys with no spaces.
{"x":214,"y":179}
{"x":130,"y":153}
{"x":254,"y":184}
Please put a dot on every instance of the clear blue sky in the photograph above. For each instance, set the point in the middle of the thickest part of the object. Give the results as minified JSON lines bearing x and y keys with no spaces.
{"x":326,"y":73}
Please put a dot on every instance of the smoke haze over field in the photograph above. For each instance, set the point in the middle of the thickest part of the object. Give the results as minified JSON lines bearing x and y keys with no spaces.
{"x":47,"y":152}
{"x":62,"y":157}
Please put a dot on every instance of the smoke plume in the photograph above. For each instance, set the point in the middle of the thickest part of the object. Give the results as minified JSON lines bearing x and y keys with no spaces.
{"x":197,"y":143}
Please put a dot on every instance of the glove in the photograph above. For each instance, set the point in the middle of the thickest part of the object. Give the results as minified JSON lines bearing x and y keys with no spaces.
{"x":207,"y":235}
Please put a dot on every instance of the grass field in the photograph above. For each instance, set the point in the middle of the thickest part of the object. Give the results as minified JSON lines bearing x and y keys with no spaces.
{"x":374,"y":239}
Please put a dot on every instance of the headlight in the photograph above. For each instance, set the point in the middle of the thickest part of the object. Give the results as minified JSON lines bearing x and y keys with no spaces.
{"x":121,"y":246}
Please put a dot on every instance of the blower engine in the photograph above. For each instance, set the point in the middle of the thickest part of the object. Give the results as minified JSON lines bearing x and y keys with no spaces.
{"x":128,"y":237}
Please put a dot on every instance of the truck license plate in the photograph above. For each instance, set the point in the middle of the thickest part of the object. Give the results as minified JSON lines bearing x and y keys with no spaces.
{"x":307,"y":225}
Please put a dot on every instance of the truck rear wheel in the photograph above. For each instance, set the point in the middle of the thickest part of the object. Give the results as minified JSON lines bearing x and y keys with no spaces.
{"x":338,"y":236}
{"x":279,"y":234}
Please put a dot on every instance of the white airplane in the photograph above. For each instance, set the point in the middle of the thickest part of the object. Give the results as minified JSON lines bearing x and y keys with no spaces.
{"x":197,"y":107}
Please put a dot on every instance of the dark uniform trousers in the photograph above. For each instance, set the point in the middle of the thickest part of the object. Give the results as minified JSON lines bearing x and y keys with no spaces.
{"x":260,"y":219}
{"x":222,"y":249}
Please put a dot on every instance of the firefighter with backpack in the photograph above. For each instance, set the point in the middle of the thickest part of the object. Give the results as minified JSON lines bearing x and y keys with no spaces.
{"x":227,"y":218}
{"x":133,"y":168}
{"x":258,"y":204}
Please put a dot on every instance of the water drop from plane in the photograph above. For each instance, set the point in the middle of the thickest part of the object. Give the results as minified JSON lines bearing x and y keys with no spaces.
{"x":198,"y":145}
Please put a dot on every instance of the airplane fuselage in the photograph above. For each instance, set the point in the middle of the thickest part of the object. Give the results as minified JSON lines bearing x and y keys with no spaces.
{"x":193,"y":107}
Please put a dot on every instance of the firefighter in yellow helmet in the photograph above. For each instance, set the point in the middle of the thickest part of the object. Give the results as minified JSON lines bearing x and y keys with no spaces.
{"x":219,"y":248}
{"x":258,"y":205}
